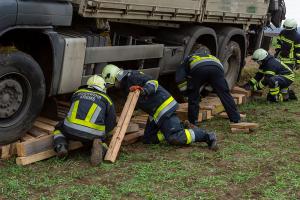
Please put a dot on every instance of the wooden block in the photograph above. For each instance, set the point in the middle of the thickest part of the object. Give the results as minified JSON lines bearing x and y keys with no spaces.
{"x":241,"y":98}
{"x":183,"y":106}
{"x":47,"y":121}
{"x":224,"y":115}
{"x":218,"y":109}
{"x":44,"y":127}
{"x":45,"y":154}
{"x":240,"y":130}
{"x":27,"y":137}
{"x":35,"y":146}
{"x":132,"y":127}
{"x":37,"y":133}
{"x":121,"y":127}
{"x":239,"y":90}
{"x":133,"y":137}
{"x":5,"y":152}
{"x":244,"y":125}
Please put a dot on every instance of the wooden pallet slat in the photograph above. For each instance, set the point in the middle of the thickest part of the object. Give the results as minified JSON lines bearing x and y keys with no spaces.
{"x":122,"y":125}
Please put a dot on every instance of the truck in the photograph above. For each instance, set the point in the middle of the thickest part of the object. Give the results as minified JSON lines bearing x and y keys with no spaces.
{"x":50,"y":47}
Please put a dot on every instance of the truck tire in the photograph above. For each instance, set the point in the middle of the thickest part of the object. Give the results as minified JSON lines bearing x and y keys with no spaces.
{"x":22,"y":93}
{"x":231,"y":59}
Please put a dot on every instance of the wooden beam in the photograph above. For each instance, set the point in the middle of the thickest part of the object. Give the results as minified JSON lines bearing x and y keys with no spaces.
{"x":45,"y":154}
{"x":47,"y":121}
{"x":224,"y":115}
{"x":44,"y":127}
{"x":5,"y":151}
{"x":35,"y":146}
{"x":122,"y":125}
{"x":239,"y":90}
{"x":133,"y":137}
{"x":37,"y":133}
{"x":240,"y":130}
{"x":244,"y":125}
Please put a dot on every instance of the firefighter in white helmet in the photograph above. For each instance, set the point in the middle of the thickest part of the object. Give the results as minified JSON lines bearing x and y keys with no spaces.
{"x":274,"y":74}
{"x":288,"y":44}
{"x":163,"y":123}
{"x":90,"y":120}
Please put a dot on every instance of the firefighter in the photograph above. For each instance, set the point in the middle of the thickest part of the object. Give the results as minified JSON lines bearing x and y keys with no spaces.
{"x":163,"y":123}
{"x":90,"y":120}
{"x":198,"y":71}
{"x":272,"y":73}
{"x":288,"y":44}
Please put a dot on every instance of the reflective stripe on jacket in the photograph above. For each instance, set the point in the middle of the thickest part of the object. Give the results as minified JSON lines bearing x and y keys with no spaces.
{"x":91,"y":112}
{"x":157,"y":102}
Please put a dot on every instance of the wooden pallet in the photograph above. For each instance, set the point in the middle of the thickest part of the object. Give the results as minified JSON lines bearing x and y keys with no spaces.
{"x":243,"y":127}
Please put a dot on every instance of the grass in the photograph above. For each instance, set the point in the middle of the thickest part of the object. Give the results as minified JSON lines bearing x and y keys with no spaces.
{"x":261,"y":165}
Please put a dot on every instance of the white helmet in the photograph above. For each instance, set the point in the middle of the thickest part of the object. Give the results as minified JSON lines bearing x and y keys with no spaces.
{"x":290,"y":24}
{"x":110,"y":73}
{"x":97,"y":82}
{"x":259,"y":55}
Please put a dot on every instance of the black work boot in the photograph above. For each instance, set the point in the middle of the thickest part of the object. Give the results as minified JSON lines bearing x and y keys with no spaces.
{"x":292,"y":95}
{"x":61,"y":150}
{"x":97,"y":153}
{"x":212,"y":141}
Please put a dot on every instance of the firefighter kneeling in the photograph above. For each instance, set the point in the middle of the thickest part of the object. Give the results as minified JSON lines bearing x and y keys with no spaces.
{"x":163,"y":124}
{"x":273,"y":73}
{"x":90,"y":120}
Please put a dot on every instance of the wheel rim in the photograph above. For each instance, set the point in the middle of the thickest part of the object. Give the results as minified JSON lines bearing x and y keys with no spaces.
{"x":15,"y":97}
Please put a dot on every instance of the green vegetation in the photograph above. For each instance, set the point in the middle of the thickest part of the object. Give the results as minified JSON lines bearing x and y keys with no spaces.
{"x":261,"y":165}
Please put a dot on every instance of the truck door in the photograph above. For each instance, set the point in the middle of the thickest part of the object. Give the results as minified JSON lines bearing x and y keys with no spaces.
{"x":8,"y":13}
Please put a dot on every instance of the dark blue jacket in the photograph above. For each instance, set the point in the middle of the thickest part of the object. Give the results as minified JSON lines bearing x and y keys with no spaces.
{"x":157,"y":101}
{"x":92,"y":113}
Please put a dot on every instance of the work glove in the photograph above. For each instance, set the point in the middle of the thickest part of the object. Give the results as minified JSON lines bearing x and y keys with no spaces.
{"x":247,"y":86}
{"x":137,"y":87}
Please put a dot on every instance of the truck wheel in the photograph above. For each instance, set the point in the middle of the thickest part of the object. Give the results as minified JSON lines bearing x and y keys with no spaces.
{"x":231,"y":59}
{"x":22,"y":93}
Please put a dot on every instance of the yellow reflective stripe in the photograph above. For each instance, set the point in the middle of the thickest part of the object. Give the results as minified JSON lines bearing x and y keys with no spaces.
{"x":287,"y":40}
{"x":188,"y":136}
{"x":298,"y":54}
{"x":269,"y":72}
{"x":253,"y":80}
{"x":87,"y":124}
{"x":57,"y":132}
{"x":182,"y":84}
{"x":162,"y":106}
{"x":261,"y":85}
{"x":160,"y":136}
{"x":297,"y":46}
{"x":74,"y":111}
{"x":103,"y":95}
{"x":287,"y":67}
{"x":208,"y":57}
{"x":91,"y":112}
{"x":298,"y":61}
{"x":154,"y":83}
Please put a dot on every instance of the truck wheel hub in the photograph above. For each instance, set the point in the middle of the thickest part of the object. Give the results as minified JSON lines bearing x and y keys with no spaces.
{"x":11,"y":95}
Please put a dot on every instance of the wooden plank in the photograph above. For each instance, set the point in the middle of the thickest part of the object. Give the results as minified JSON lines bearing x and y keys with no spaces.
{"x":47,"y":121}
{"x":35,"y":146}
{"x":239,"y":90}
{"x":224,"y":115}
{"x":37,"y":133}
{"x":132,"y":127}
{"x":244,"y":125}
{"x":5,"y":151}
{"x":240,"y":130}
{"x":133,"y":137}
{"x":44,"y":127}
{"x":27,"y":137}
{"x":241,"y":98}
{"x":122,"y":125}
{"x":45,"y":154}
